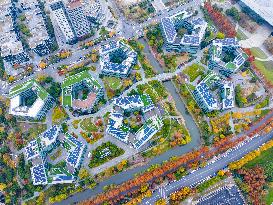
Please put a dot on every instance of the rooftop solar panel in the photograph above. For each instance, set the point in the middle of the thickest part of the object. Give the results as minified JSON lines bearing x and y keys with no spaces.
{"x":38,"y":174}
{"x":169,"y":29}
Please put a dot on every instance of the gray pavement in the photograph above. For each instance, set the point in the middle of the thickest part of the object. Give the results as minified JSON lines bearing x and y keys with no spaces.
{"x":210,"y":170}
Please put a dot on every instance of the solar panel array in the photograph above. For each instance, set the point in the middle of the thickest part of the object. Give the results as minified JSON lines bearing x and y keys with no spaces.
{"x":109,"y":46}
{"x":233,"y":42}
{"x":197,"y":26}
{"x":121,"y":69}
{"x":206,"y":95}
{"x":191,"y":40}
{"x":216,"y":52}
{"x":115,"y":124}
{"x":225,"y":195}
{"x":39,"y":148}
{"x":38,"y":174}
{"x":169,"y":29}
{"x":148,"y":108}
{"x":131,"y":101}
{"x":31,"y":150}
{"x":51,"y":133}
{"x":198,"y":22}
{"x":63,"y":178}
{"x":227,"y":90}
{"x":76,"y":152}
{"x":148,"y":131}
{"x":115,"y":129}
{"x":239,"y":60}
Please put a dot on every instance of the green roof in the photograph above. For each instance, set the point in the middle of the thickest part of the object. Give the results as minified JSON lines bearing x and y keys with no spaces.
{"x":245,"y":56}
{"x":124,"y":128}
{"x":73,"y":79}
{"x":16,"y":90}
{"x":145,"y":100}
{"x":77,"y":78}
{"x":231,"y":66}
{"x":67,"y":99}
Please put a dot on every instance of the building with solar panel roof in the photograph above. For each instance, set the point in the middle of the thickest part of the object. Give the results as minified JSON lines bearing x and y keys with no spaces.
{"x":227,"y":95}
{"x":189,"y":42}
{"x":74,"y":87}
{"x":45,"y":171}
{"x":29,"y":100}
{"x":117,"y":59}
{"x":152,"y":122}
{"x":222,"y":47}
{"x":207,"y":100}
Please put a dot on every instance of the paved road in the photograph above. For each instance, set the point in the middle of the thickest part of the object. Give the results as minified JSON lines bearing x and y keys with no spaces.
{"x":160,"y":77}
{"x":211,"y":169}
{"x":129,"y":30}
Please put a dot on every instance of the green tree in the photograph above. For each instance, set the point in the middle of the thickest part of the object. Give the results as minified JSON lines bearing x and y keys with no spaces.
{"x":220,"y":35}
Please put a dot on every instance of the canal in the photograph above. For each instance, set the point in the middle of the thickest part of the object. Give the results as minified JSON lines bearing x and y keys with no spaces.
{"x":129,"y":174}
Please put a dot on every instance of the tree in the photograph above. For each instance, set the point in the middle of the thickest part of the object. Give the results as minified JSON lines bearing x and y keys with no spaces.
{"x":220,"y":35}
{"x":221,"y":173}
{"x":83,"y":173}
{"x":161,"y":202}
{"x":94,"y":57}
{"x":234,"y":13}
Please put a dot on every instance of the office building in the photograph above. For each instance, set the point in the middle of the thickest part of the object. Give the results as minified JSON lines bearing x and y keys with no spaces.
{"x":220,"y":48}
{"x":38,"y":40}
{"x":117,"y":59}
{"x":72,"y":95}
{"x":30,"y":100}
{"x":151,"y":125}
{"x":11,"y":48}
{"x":38,"y":151}
{"x":189,"y":42}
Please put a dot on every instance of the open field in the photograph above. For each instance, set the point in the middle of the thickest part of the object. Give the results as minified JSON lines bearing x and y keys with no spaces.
{"x":112,"y":82}
{"x":257,"y":52}
{"x":263,"y":159}
{"x":266,"y":68}
{"x":88,"y":125}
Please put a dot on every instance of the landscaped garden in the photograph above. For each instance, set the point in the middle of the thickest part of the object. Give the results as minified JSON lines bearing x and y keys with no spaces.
{"x":254,"y":174}
{"x":58,"y":115}
{"x":104,"y":153}
{"x":115,"y":86}
{"x":173,"y":133}
{"x":88,"y":125}
{"x":137,"y":11}
{"x":194,"y":71}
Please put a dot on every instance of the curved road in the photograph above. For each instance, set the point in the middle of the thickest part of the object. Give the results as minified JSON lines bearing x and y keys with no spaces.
{"x":209,"y":170}
{"x":187,"y":180}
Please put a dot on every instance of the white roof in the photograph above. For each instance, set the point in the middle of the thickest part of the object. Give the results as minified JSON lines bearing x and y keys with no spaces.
{"x":16,"y":109}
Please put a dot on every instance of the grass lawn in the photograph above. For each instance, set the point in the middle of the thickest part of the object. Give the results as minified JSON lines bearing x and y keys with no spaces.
{"x":266,"y":68}
{"x":58,"y":115}
{"x":263,"y":159}
{"x":257,"y":52}
{"x":88,"y":125}
{"x":194,"y":71}
{"x":112,"y":82}
{"x":241,"y":35}
{"x":269,"y":197}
